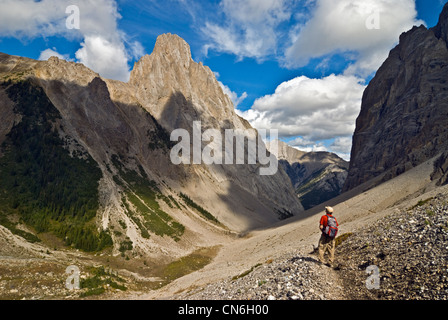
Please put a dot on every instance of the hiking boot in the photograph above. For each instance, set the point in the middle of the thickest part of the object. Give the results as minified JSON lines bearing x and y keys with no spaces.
{"x":337,"y":267}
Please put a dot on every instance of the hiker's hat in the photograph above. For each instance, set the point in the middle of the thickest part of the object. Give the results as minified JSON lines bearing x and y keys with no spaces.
{"x":329,"y":209}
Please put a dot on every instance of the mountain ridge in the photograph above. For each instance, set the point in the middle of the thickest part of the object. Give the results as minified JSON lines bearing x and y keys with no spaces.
{"x":316,"y":176}
{"x":142,"y":196}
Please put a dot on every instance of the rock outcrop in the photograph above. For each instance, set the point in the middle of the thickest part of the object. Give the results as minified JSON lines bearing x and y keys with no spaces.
{"x":403,"y":116}
{"x":407,"y":247}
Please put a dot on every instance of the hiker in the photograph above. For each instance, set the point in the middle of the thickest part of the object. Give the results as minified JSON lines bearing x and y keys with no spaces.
{"x":329,"y":227}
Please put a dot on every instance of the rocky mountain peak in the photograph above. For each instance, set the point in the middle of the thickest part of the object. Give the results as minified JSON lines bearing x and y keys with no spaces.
{"x":174,"y":47}
{"x":441,"y":29}
{"x":286,"y":152}
{"x":170,"y":51}
{"x":178,"y":90}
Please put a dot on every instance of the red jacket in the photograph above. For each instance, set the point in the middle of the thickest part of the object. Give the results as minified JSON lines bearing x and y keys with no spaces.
{"x":324,"y":220}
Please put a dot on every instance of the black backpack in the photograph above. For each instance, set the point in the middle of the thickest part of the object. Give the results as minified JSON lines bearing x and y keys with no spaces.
{"x":331,"y":230}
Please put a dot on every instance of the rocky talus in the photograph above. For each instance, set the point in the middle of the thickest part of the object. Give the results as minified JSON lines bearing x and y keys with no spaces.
{"x":295,"y":276}
{"x":409,"y":248}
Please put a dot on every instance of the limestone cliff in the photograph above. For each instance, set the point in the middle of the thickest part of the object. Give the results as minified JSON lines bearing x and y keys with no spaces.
{"x":403,"y":118}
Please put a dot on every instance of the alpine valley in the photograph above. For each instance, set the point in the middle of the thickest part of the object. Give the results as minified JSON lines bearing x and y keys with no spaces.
{"x":86,"y":180}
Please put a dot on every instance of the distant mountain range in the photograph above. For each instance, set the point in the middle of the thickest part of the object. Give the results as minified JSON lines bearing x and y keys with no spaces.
{"x":315,"y":176}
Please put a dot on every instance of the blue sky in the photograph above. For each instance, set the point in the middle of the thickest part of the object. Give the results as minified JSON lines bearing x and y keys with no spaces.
{"x":299,"y":66}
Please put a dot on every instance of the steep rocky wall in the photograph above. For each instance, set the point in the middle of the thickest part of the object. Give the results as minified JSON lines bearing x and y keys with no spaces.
{"x":403,"y":116}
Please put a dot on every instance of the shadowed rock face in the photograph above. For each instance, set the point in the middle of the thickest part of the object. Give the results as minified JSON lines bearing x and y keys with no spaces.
{"x":178,"y":91}
{"x":403,"y":119}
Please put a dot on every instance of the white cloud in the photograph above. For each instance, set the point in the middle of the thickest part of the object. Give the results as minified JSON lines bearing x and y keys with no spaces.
{"x":48,"y":53}
{"x":27,"y":18}
{"x":100,"y":54}
{"x":258,"y":29}
{"x":339,"y":26}
{"x":136,"y":49}
{"x":249,"y":28}
{"x":316,"y":109}
{"x":300,"y":142}
{"x":320,"y":114}
{"x":233,"y":95}
{"x":342,"y":146}
{"x":237,"y":100}
{"x":326,"y":109}
{"x":307,"y":146}
{"x":104,"y":48}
